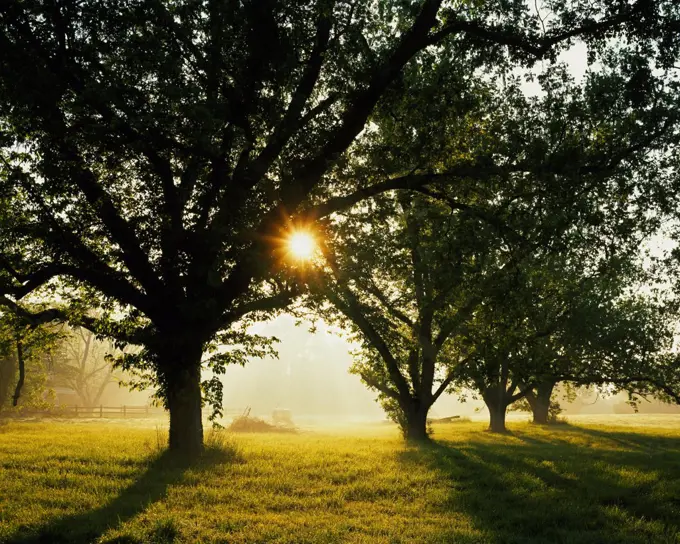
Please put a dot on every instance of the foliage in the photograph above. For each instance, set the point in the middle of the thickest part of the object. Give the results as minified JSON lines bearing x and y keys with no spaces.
{"x":36,"y":345}
{"x":487,"y":269}
{"x":585,"y":328}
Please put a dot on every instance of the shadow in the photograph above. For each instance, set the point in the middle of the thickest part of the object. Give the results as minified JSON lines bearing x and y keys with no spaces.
{"x":163,"y":471}
{"x":522,"y":488}
{"x":633,"y":440}
{"x":572,"y":435}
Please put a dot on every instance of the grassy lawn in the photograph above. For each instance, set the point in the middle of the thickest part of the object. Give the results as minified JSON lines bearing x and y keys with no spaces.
{"x":91,"y":482}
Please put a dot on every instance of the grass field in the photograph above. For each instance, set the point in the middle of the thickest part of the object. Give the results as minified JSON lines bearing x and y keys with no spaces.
{"x":90,"y":482}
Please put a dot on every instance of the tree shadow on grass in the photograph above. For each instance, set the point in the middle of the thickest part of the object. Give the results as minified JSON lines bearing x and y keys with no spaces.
{"x":632,"y":440}
{"x":538,"y":490}
{"x":163,"y":471}
{"x":575,"y":435}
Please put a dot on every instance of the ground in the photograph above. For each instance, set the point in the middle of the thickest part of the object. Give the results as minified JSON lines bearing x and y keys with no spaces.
{"x":81,"y":482}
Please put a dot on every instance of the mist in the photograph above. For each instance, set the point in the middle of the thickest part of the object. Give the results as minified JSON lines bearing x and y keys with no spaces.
{"x":311,"y":378}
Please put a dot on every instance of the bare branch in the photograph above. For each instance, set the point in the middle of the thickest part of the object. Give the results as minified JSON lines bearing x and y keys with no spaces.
{"x":380,"y":386}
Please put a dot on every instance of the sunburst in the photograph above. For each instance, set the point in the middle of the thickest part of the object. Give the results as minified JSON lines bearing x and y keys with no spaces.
{"x":301,"y":245}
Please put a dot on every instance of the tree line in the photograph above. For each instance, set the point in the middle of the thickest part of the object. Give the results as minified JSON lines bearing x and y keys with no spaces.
{"x":35,"y":360}
{"x":156,"y":156}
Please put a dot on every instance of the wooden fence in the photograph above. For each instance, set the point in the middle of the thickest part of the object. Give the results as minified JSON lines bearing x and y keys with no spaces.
{"x":91,"y":411}
{"x":101,"y":411}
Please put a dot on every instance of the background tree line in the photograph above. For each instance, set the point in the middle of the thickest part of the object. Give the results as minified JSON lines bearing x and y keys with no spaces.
{"x":36,"y":360}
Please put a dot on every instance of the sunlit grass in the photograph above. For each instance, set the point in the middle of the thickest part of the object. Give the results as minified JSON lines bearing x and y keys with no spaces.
{"x":83,"y":482}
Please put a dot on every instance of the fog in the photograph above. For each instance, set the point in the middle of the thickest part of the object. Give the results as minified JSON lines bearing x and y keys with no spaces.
{"x":310,"y":378}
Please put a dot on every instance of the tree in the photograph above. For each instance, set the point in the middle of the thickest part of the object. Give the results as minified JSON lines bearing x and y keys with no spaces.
{"x":155,"y":154}
{"x":541,"y":402}
{"x":24,"y":353}
{"x":403,"y":286}
{"x":85,"y":365}
{"x":564,"y":323}
{"x":513,"y":252}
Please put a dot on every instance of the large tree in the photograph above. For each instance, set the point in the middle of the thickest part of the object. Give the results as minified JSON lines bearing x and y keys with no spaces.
{"x":154,"y":153}
{"x":405,"y":286}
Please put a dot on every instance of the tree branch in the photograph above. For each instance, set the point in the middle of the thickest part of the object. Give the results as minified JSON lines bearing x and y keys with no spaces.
{"x":109,"y":284}
{"x":389,"y":305}
{"x":349,"y":305}
{"x":449,"y":378}
{"x":290,"y":120}
{"x":274,"y":302}
{"x":383,"y":388}
{"x":521,"y":393}
{"x":544,"y":45}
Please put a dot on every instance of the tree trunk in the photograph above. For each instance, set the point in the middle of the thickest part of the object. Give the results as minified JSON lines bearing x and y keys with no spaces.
{"x":416,"y":425}
{"x":495,"y":401}
{"x":184,"y":405}
{"x":7,"y":374}
{"x":540,"y":402}
{"x":497,"y":419}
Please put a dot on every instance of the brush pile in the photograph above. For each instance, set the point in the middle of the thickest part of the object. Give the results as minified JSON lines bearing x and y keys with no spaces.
{"x":245,"y":423}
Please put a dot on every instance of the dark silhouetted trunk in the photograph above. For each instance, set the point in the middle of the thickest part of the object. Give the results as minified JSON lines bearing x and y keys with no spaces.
{"x":539,"y":400}
{"x":7,"y":376}
{"x":496,"y":401}
{"x":184,"y":403}
{"x":416,"y":424}
{"x":497,"y":419}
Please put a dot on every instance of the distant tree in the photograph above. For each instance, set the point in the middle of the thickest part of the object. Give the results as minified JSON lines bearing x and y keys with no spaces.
{"x":24,"y":353}
{"x":617,"y":344}
{"x":83,"y":364}
{"x":630,"y":352}
{"x":155,"y":154}
{"x":578,"y":321}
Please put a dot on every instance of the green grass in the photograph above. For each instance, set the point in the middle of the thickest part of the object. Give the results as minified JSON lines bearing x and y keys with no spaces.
{"x":89,"y":482}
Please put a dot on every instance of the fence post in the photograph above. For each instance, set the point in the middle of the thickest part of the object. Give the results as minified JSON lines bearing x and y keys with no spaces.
{"x":76,"y":409}
{"x":123,"y":410}
{"x":101,"y":410}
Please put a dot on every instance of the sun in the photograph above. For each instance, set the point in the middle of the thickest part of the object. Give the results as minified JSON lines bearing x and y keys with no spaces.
{"x":301,"y":245}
